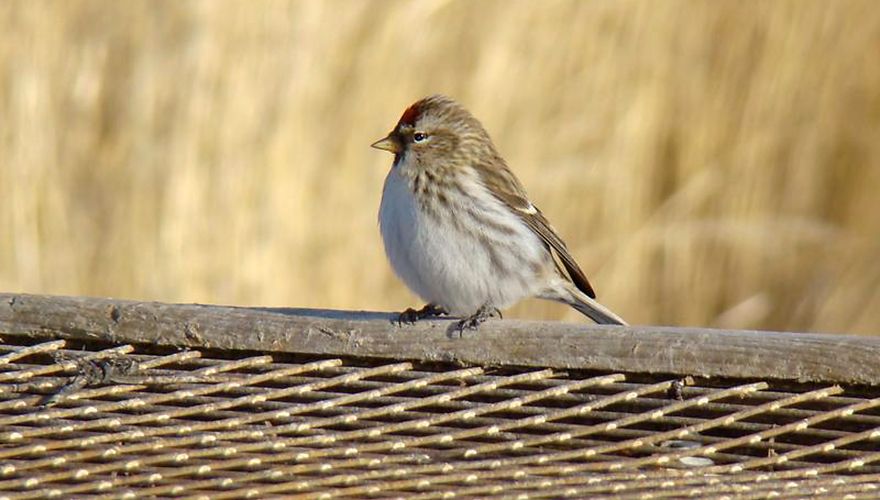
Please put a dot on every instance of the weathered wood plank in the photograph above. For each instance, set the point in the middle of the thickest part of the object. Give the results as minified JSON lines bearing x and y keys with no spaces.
{"x":685,"y":351}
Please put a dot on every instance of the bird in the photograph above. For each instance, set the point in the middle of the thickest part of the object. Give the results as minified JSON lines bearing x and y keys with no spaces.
{"x":459,"y":229}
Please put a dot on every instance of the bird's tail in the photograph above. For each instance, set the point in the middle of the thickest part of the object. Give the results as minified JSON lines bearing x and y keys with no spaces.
{"x":585,"y":305}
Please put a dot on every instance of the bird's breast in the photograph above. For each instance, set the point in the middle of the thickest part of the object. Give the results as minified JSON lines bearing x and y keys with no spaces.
{"x":401,"y":224}
{"x":456,"y":245}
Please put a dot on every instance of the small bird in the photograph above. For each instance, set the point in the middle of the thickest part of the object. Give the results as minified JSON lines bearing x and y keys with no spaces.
{"x":459,"y":229}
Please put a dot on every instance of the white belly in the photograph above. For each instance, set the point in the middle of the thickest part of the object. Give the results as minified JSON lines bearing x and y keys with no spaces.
{"x":450,"y":267}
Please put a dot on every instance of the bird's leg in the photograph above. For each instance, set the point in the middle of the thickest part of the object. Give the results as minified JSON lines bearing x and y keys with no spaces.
{"x":411,"y":315}
{"x":474,"y":321}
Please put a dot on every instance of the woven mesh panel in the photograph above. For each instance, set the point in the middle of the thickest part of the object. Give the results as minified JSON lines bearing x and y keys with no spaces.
{"x":119,"y":421}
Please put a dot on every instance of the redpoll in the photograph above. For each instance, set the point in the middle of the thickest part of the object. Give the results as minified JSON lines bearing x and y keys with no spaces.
{"x":459,"y":229}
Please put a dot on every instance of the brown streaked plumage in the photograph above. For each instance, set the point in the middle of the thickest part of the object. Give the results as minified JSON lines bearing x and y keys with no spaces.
{"x":459,"y":228}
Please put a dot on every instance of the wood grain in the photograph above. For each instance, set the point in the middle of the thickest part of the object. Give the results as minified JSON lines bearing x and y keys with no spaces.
{"x":636,"y":349}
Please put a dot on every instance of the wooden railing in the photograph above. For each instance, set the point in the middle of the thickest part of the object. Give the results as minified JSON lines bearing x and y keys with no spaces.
{"x":636,"y":349}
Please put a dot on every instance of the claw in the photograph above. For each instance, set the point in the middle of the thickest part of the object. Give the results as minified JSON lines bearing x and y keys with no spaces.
{"x":474,"y":321}
{"x":410,"y":315}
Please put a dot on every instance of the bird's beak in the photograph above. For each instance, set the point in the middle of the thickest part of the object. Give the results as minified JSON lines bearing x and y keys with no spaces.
{"x":388,"y":143}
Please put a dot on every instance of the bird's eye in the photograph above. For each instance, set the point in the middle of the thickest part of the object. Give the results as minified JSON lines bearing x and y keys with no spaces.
{"x":420,"y":137}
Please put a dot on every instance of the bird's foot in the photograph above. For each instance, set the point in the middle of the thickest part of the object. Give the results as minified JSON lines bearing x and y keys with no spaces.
{"x":411,"y":315}
{"x":474,"y":321}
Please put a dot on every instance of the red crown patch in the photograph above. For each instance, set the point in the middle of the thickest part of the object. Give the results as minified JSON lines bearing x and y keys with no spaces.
{"x":411,"y":114}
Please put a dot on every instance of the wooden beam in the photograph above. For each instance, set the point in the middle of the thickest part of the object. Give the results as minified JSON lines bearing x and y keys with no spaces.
{"x":636,"y":349}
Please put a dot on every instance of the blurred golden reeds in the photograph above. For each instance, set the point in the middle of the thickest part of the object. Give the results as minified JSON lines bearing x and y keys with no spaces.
{"x":709,"y":163}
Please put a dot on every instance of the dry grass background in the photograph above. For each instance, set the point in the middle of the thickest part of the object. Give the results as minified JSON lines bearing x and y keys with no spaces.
{"x":710,"y":163}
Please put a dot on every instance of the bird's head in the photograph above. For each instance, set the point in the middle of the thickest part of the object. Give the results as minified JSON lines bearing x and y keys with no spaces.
{"x":436,"y":132}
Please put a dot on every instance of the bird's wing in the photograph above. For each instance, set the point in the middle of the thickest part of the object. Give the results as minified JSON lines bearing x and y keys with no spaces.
{"x":508,"y":190}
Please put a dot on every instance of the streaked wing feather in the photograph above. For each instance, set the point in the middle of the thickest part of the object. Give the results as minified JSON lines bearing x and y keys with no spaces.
{"x":539,"y":224}
{"x":509,"y":191}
